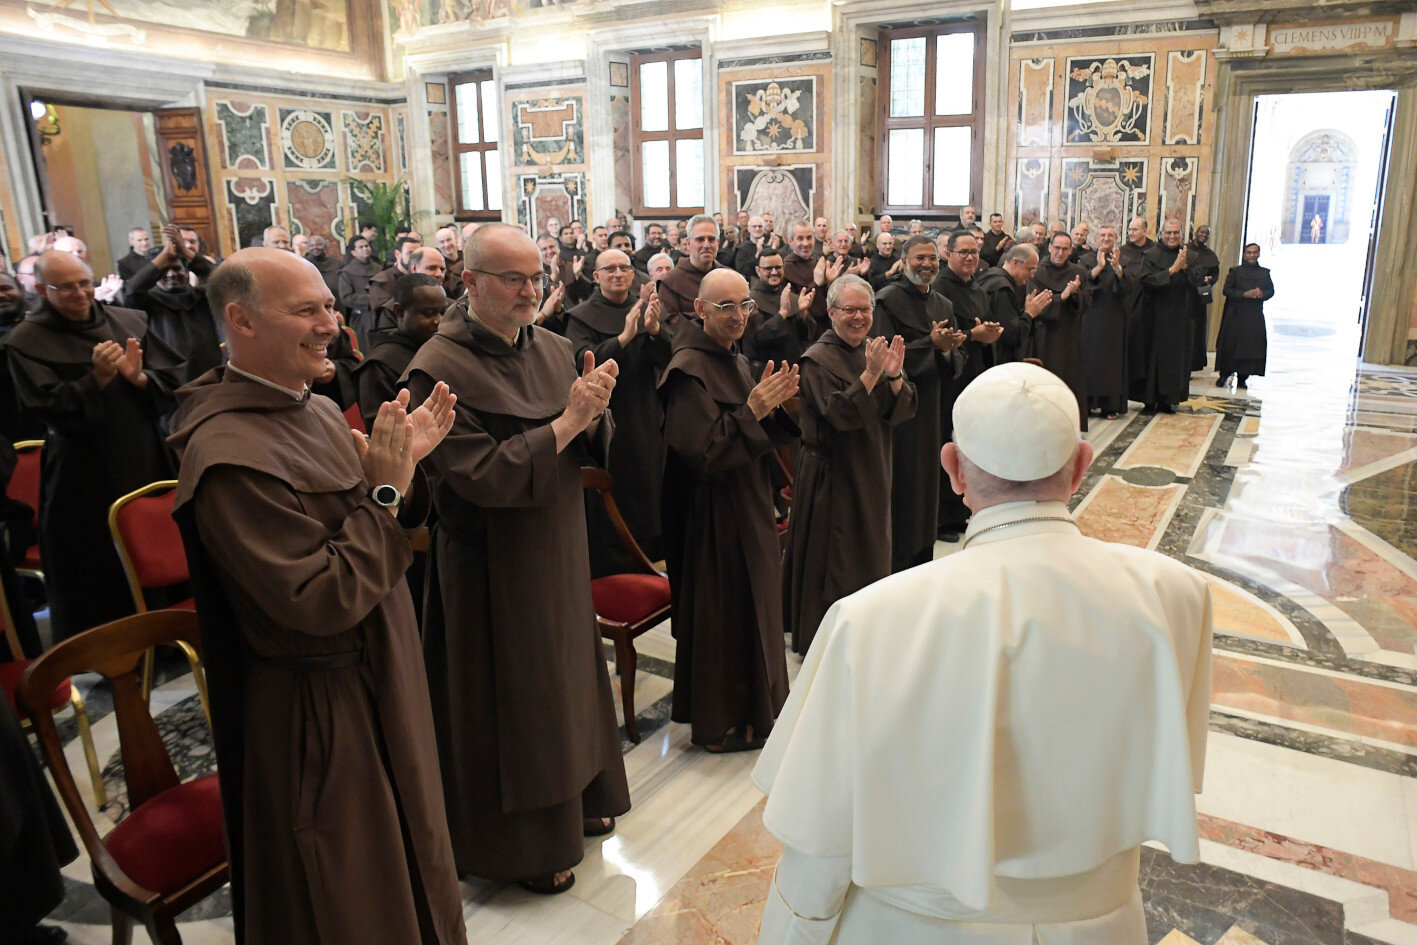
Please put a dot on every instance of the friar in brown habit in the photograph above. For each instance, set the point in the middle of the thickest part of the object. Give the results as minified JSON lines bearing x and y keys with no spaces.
{"x":527,"y":735}
{"x":295,"y":536}
{"x":680,"y":286}
{"x":101,"y":379}
{"x":616,"y":322}
{"x":853,"y":392}
{"x":730,"y":668}
{"x":1057,"y":329}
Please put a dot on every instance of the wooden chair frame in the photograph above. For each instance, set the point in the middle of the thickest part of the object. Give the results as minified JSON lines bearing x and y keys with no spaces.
{"x":618,"y":632}
{"x":115,"y":650}
{"x":76,"y":701}
{"x":140,"y":602}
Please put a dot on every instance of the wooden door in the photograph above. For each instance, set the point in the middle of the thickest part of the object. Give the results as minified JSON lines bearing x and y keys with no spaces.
{"x":184,"y":172}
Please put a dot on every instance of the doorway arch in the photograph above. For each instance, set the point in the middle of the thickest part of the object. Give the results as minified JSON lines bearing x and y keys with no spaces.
{"x":1316,"y":181}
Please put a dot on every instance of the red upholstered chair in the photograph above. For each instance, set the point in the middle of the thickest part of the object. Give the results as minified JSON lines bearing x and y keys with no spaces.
{"x":626,"y":605}
{"x":64,"y":694}
{"x":169,"y":852}
{"x":24,"y":487}
{"x":149,"y":544}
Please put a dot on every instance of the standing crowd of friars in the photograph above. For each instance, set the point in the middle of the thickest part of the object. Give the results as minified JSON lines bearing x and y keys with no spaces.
{"x":455,"y":704}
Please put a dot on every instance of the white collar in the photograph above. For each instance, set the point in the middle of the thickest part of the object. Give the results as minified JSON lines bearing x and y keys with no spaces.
{"x":297,"y":394}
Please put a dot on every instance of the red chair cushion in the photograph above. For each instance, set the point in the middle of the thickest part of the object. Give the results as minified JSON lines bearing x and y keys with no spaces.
{"x":32,"y":562}
{"x":172,"y":839}
{"x":188,"y":604}
{"x":10,"y":676}
{"x":153,"y":541}
{"x":354,"y":418}
{"x":629,"y":598}
{"x":24,"y":483}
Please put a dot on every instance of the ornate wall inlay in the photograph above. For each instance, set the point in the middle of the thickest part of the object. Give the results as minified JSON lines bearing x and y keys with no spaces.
{"x":548,"y":131}
{"x":774,"y":115}
{"x":1102,"y":193}
{"x":250,"y":206}
{"x":363,"y":141}
{"x":1035,"y":102}
{"x":1185,"y":95}
{"x":307,"y":139}
{"x":541,"y":197}
{"x":1109,"y":99}
{"x":244,"y":129}
{"x":785,"y":192}
{"x":1031,"y":204}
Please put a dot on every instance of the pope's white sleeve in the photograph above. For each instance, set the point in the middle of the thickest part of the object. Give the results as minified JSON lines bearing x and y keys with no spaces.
{"x":805,"y":901}
{"x":1198,"y":707}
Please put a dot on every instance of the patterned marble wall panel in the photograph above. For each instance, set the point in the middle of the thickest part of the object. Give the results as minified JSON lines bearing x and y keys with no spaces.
{"x":1102,"y":193}
{"x":307,"y":140}
{"x":773,"y":115}
{"x":251,"y":204}
{"x":302,"y":144}
{"x":1178,"y":191}
{"x":867,"y":143}
{"x":1109,"y":99}
{"x":620,"y":142}
{"x":785,"y":191}
{"x":1185,"y":96}
{"x":439,"y":141}
{"x":1123,"y":101}
{"x":364,"y":141}
{"x":11,"y":239}
{"x":1035,"y":102}
{"x":399,"y":117}
{"x":314,"y":206}
{"x":545,"y":128}
{"x":543,"y":196}
{"x":243,"y":129}
{"x":1032,"y":202}
{"x":778,"y":107}
{"x":549,"y":131}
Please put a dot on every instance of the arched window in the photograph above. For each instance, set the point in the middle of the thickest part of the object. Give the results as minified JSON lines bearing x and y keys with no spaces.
{"x":1317,"y":183}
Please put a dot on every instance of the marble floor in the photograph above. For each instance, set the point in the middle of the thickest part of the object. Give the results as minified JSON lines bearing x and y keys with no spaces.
{"x":1293,"y":498}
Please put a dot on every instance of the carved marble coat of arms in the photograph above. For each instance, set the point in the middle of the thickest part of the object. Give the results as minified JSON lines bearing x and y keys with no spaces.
{"x":1110,"y":101}
{"x":772,"y":123}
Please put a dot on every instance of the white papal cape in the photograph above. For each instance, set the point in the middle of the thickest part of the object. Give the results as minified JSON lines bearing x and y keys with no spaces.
{"x":976,"y":748}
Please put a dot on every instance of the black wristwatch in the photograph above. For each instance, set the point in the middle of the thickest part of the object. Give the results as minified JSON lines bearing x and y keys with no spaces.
{"x":387,"y":496}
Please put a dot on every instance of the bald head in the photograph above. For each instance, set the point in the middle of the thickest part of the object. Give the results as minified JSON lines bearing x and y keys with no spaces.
{"x":490,"y":239}
{"x":277,"y":312}
{"x":714,"y":284}
{"x":72,"y":245}
{"x":66,"y":283}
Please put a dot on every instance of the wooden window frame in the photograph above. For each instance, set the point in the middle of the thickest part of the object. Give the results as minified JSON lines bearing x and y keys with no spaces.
{"x":638,"y":137}
{"x":461,"y":212}
{"x":930,"y":121}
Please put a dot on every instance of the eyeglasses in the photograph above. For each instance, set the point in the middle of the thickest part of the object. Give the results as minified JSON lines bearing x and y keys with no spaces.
{"x":615,"y":269}
{"x":771,"y":268}
{"x":746,"y":307}
{"x":854,"y":309}
{"x":515,"y":280}
{"x":68,"y":288}
{"x":966,"y":252}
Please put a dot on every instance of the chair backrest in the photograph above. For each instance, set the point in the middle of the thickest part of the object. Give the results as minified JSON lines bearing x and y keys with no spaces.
{"x":24,"y":484}
{"x":593,"y":477}
{"x":115,"y":651}
{"x":148,"y":541}
{"x":354,"y":418}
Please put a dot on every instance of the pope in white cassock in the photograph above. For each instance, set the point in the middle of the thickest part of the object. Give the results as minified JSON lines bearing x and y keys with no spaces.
{"x":976,"y":748}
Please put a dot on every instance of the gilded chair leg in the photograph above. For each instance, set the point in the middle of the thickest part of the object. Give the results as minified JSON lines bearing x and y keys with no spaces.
{"x":199,"y":676}
{"x":81,"y":716}
{"x":122,"y":927}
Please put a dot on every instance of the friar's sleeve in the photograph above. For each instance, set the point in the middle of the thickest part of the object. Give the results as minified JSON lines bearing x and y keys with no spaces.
{"x":805,"y":901}
{"x":1154,"y":275}
{"x":1005,"y":311}
{"x":1267,"y":288}
{"x":710,"y":437}
{"x":582,"y":338}
{"x":302,"y":577}
{"x":897,"y":407}
{"x":1231,"y":289}
{"x":518,"y":472}
{"x":378,"y":384}
{"x":844,"y":407}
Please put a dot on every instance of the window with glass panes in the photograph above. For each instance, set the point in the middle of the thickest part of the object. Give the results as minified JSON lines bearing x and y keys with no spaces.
{"x":667,"y":136}
{"x":477,"y":161}
{"x":931,"y":90}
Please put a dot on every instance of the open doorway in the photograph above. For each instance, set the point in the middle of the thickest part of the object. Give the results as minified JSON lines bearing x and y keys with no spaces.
{"x":1314,"y":202}
{"x":99,"y":172}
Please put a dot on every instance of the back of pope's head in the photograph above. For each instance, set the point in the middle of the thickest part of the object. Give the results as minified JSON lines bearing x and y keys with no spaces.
{"x":1018,"y":423}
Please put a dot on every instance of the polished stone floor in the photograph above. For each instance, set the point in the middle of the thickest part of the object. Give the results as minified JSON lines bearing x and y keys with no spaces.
{"x":1293,"y":498}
